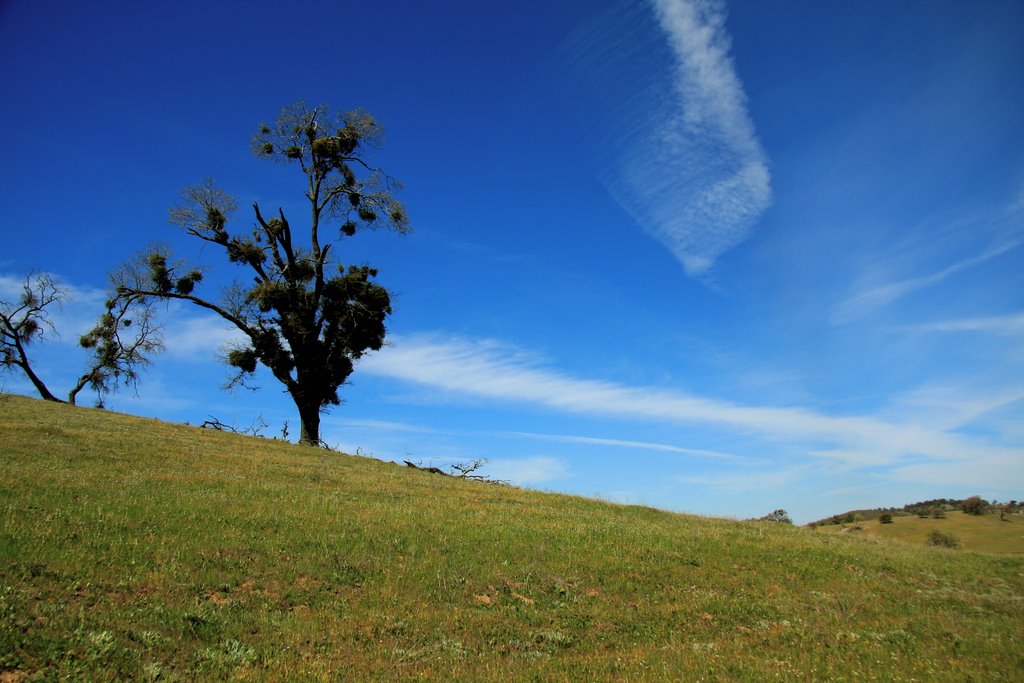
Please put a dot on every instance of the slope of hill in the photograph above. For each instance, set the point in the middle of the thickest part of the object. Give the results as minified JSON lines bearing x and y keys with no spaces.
{"x":134,"y":549}
{"x":928,"y":508}
{"x":983,"y":533}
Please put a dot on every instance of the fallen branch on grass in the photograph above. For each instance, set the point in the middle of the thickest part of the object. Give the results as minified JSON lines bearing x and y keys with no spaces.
{"x":461,"y":470}
{"x":255,"y":429}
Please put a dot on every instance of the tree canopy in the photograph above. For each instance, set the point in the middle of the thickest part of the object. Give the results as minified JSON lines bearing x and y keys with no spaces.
{"x":306,"y":316}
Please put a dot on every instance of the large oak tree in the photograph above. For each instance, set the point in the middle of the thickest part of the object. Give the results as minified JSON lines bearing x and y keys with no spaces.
{"x":304,"y":315}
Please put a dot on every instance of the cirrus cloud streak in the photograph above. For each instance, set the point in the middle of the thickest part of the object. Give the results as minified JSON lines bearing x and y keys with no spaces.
{"x":490,"y":370}
{"x":693,"y":173}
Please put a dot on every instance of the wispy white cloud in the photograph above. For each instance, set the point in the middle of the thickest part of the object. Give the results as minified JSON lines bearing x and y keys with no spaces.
{"x":1002,"y":325}
{"x":391,"y":427}
{"x":688,"y":166}
{"x":743,"y":482}
{"x":72,"y":317}
{"x":875,"y":297}
{"x":197,"y":337}
{"x":626,"y":443}
{"x":10,"y":286}
{"x":162,"y":396}
{"x":986,"y":472}
{"x":485,"y":369}
{"x":948,"y":407}
{"x":526,"y":471}
{"x":386,"y":426}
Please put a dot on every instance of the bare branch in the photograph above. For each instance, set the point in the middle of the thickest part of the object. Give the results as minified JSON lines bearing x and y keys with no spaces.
{"x":255,"y":429}
{"x":461,"y":470}
{"x":204,"y":211}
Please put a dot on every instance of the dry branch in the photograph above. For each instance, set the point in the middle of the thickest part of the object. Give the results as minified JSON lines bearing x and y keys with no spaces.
{"x":461,"y":470}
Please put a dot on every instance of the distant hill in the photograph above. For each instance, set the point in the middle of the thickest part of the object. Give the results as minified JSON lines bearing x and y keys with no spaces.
{"x":132,"y":549}
{"x":927,"y":508}
{"x":983,"y":533}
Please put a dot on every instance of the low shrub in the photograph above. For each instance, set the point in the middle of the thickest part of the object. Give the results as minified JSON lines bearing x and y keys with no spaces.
{"x":885,"y":518}
{"x":943,"y":540}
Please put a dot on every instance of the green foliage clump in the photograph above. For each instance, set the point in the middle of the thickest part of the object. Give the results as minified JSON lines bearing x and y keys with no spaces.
{"x":943,"y":540}
{"x":159,"y":274}
{"x":974,"y":505}
{"x":885,"y":518}
{"x":243,"y":359}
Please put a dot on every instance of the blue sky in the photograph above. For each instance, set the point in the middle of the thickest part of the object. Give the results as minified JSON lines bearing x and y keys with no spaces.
{"x":712,"y":257}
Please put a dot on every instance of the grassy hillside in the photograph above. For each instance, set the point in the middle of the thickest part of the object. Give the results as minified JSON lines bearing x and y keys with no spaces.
{"x":982,"y":533}
{"x":133,"y":549}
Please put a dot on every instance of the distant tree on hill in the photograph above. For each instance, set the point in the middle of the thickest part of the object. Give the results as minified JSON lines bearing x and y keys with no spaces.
{"x":974,"y":505}
{"x":885,"y":518}
{"x":120,"y":344}
{"x":928,"y":504}
{"x":779,"y":515}
{"x":305,"y":316}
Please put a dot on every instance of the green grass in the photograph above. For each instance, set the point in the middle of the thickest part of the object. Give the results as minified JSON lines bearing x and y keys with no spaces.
{"x":982,"y":533}
{"x":134,"y":549}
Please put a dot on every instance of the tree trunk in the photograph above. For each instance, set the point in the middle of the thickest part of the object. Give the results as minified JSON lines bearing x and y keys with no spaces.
{"x":73,"y":394}
{"x":38,"y":384}
{"x":309,"y":416}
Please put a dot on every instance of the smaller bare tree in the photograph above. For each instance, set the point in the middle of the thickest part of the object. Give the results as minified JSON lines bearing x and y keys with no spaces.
{"x":25,"y":322}
{"x":120,"y":344}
